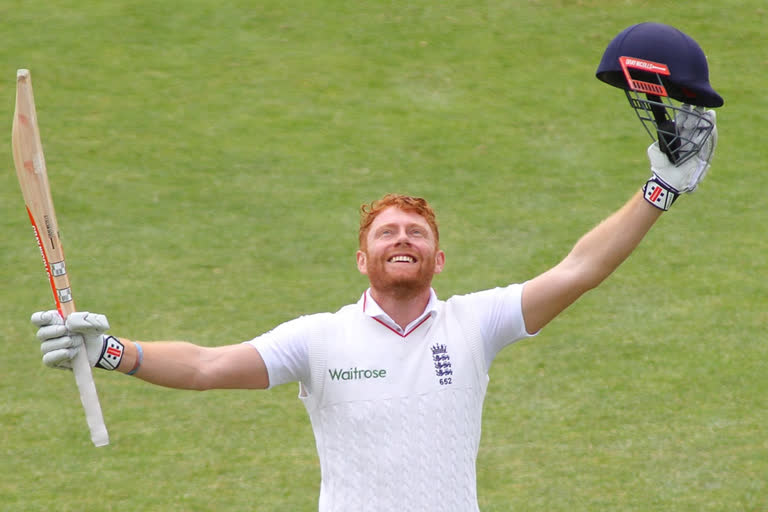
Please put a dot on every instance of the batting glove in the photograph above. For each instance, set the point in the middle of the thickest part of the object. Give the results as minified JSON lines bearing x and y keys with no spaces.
{"x":668,"y":180}
{"x":61,"y":341}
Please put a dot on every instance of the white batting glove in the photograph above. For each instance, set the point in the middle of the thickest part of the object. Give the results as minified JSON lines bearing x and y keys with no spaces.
{"x":669,"y":180}
{"x":60,"y":341}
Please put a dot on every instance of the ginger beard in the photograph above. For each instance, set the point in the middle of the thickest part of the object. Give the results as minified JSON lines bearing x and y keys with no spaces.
{"x":401,"y":255}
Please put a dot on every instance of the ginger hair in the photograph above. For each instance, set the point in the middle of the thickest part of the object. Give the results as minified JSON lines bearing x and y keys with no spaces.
{"x":410,"y":204}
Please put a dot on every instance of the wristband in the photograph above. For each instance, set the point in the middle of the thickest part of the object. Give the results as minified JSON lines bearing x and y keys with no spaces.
{"x":139,"y":359}
{"x":111,"y":354}
{"x":658,"y":194}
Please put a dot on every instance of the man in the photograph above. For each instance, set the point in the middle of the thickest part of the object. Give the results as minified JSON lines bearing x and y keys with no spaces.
{"x":394,"y":384}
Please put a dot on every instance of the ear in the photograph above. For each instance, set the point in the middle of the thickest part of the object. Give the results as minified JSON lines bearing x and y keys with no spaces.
{"x":439,"y":261}
{"x":362,"y":262}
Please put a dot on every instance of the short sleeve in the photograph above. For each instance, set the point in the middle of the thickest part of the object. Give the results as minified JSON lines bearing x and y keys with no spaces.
{"x":285,"y":351}
{"x":500,"y":313}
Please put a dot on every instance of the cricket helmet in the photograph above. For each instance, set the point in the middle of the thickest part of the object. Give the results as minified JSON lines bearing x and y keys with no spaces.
{"x":658,"y":65}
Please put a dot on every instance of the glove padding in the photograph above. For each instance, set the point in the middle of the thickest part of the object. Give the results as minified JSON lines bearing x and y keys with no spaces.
{"x":61,"y":341}
{"x":669,"y":180}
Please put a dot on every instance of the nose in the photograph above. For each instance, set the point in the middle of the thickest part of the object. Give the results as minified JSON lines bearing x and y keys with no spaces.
{"x":402,"y":237}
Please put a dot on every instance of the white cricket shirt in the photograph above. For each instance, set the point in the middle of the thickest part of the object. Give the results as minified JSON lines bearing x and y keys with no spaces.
{"x":396,"y":412}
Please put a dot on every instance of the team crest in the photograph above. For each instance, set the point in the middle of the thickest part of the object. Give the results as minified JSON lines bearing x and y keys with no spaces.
{"x":442,"y":362}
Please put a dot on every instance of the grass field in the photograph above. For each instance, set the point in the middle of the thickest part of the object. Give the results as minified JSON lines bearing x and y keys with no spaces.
{"x":207,"y":162}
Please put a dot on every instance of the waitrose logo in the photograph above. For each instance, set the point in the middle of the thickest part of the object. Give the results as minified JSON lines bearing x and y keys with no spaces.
{"x":356,"y":373}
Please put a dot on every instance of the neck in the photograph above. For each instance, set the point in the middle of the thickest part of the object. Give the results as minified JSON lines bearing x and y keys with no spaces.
{"x":402,"y":306}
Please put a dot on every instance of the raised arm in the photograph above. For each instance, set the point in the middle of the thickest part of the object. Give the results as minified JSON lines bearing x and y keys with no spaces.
{"x":598,"y":253}
{"x":594,"y":257}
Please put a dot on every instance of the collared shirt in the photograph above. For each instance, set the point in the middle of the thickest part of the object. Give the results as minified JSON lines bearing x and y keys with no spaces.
{"x":396,"y":411}
{"x":372,"y":309}
{"x":285,"y":351}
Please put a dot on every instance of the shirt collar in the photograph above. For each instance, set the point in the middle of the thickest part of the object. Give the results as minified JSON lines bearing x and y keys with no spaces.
{"x":372,"y":309}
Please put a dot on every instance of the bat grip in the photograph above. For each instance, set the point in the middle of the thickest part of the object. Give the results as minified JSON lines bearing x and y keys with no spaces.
{"x":90,"y":400}
{"x":85,"y":385}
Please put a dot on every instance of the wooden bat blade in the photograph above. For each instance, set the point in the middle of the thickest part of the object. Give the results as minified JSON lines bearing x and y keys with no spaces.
{"x":31,"y":171}
{"x":33,"y":177}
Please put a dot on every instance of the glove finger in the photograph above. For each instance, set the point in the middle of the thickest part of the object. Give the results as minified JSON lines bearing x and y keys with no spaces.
{"x":712,"y":117}
{"x":87,"y":323}
{"x":42,"y":318}
{"x":48,"y":332}
{"x":707,"y":150}
{"x":60,"y":358}
{"x":701,"y":126}
{"x":683,"y":117}
{"x":60,"y":343}
{"x":694,"y":125}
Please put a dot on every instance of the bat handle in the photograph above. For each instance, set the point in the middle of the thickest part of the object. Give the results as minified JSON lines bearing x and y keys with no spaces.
{"x":85,"y":385}
{"x":81,"y":368}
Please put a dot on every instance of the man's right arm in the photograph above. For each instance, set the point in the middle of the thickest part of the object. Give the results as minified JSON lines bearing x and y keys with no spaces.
{"x":176,"y":364}
{"x":182,"y":365}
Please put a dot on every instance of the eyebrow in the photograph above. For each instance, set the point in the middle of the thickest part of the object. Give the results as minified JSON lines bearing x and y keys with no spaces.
{"x":410,"y":225}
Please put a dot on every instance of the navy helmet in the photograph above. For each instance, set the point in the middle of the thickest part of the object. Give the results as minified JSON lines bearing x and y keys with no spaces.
{"x":688,"y":79}
{"x":655,"y":64}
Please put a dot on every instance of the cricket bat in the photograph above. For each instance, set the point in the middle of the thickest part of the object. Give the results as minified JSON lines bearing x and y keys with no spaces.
{"x":33,"y":177}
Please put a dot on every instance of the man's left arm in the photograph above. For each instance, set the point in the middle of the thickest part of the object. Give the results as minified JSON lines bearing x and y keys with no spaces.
{"x":598,"y":253}
{"x":594,"y":257}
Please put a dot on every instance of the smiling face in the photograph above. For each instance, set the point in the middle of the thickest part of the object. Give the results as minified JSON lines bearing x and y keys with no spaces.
{"x":400,"y":254}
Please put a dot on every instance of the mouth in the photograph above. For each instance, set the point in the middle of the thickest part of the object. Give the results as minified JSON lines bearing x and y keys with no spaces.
{"x":401,"y":258}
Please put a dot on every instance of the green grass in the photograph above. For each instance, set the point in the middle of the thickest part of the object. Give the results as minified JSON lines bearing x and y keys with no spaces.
{"x":207,"y":162}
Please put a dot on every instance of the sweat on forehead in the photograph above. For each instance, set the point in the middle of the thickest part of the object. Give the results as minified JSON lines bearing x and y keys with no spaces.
{"x":410,"y":204}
